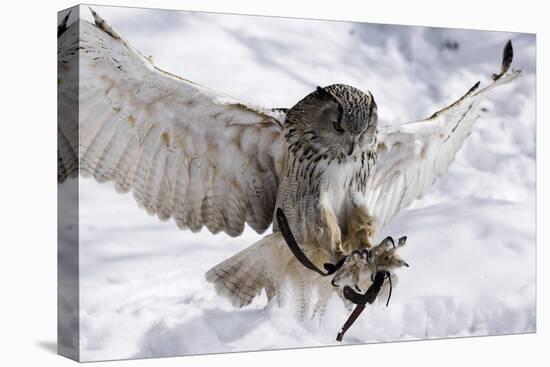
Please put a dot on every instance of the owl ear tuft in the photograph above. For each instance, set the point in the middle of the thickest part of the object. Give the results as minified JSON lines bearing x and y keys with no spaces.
{"x":325,"y":94}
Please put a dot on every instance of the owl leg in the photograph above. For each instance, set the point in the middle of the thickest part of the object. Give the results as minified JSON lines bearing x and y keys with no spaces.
{"x":303,"y":299}
{"x":359,"y":229}
{"x":330,"y":231}
{"x":274,"y":293}
{"x":325,"y":292}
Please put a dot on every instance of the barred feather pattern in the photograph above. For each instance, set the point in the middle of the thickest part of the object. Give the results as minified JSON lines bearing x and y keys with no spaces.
{"x":411,"y":157}
{"x":67,"y":96}
{"x":186,"y":152}
{"x":261,"y":266}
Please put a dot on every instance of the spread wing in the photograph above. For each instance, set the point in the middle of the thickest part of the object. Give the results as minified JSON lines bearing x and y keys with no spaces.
{"x":412,"y":156}
{"x":186,"y":152}
{"x":67,"y":98}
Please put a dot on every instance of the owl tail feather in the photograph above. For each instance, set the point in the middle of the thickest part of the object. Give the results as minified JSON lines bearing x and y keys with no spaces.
{"x":243,"y":276}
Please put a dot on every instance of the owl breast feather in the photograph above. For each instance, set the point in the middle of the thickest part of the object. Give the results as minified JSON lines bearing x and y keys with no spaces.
{"x":338,"y":186}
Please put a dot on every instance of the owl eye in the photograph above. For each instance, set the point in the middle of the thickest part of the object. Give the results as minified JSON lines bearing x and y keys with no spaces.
{"x":336,"y":125}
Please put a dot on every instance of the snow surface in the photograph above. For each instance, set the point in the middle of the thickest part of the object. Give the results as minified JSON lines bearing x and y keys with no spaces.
{"x":471,"y":240}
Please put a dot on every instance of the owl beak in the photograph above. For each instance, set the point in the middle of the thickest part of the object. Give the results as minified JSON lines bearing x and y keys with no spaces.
{"x":351,"y":148}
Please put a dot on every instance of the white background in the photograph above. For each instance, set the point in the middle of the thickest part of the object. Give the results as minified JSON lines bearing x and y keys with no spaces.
{"x":28,"y":305}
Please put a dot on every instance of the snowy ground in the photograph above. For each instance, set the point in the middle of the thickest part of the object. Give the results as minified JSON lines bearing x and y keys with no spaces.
{"x":471,"y":240}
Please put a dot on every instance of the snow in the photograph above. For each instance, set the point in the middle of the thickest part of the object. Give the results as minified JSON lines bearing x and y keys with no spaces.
{"x":471,"y":240}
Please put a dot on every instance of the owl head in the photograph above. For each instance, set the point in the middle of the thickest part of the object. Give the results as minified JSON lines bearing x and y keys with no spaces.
{"x":338,"y":120}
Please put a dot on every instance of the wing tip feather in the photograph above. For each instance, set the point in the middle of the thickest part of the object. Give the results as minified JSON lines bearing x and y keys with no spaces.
{"x":507,"y":57}
{"x":103,"y":25}
{"x":62,"y":27}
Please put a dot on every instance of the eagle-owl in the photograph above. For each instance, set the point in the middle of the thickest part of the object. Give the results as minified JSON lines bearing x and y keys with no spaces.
{"x":207,"y":159}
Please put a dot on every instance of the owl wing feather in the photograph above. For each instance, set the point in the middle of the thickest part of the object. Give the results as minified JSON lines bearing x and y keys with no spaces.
{"x":67,"y":97}
{"x":412,"y":156}
{"x":186,"y":152}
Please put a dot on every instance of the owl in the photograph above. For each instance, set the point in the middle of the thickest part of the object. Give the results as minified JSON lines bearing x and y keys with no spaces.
{"x":205,"y":159}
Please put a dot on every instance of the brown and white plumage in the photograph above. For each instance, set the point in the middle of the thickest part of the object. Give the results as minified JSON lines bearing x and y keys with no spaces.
{"x":210,"y":160}
{"x":67,"y":96}
{"x":186,"y":152}
{"x":411,"y":157}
